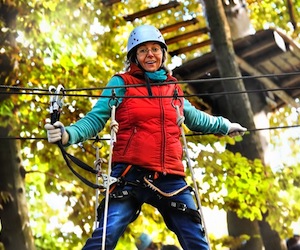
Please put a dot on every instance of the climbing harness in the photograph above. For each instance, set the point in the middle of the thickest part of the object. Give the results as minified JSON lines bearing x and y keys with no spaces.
{"x":179,"y":121}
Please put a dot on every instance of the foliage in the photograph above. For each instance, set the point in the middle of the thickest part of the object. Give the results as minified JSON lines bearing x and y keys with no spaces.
{"x":286,"y":164}
{"x":249,"y":188}
{"x":275,"y":14}
{"x":81,"y":44}
{"x":229,"y":242}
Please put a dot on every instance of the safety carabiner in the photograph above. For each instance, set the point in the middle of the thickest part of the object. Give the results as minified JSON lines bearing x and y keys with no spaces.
{"x":113,"y":98}
{"x":56,"y":102}
{"x":175,"y":98}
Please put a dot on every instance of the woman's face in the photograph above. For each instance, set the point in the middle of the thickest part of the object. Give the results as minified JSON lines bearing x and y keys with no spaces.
{"x":149,"y":56}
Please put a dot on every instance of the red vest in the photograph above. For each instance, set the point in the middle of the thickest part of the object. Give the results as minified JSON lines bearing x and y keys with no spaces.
{"x":148,"y":135}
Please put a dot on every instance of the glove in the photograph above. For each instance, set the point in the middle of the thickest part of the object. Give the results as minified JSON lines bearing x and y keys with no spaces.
{"x":236,"y":129}
{"x":57,"y":132}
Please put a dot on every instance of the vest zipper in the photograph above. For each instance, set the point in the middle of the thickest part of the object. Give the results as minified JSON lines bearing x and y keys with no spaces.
{"x":163,"y":143}
{"x":129,"y":141}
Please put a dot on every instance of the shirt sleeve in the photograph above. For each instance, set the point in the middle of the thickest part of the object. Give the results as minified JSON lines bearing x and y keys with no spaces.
{"x":94,"y":121}
{"x":199,"y":121}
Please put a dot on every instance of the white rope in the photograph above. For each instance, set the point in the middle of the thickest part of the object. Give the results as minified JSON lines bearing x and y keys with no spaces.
{"x":97,"y":164}
{"x":179,"y":121}
{"x":113,"y":139}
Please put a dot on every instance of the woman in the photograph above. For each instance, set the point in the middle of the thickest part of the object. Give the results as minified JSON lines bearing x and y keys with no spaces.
{"x":148,"y":146}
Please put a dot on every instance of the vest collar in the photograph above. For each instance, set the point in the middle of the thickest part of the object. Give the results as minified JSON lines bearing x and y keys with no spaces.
{"x":157,"y":76}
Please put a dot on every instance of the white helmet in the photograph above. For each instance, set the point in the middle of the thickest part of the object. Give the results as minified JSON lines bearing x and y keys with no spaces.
{"x":142,"y":34}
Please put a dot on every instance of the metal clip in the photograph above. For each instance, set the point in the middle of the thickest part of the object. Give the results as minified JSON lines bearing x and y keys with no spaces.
{"x":56,"y":102}
{"x":113,"y":99}
{"x":108,"y":180}
{"x":176,"y":98}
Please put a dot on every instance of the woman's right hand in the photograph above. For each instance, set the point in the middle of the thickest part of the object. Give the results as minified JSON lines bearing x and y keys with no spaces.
{"x":57,"y":132}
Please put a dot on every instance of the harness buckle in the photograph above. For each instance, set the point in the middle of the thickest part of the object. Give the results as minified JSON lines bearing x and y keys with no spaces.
{"x":179,"y":206}
{"x":119,"y":195}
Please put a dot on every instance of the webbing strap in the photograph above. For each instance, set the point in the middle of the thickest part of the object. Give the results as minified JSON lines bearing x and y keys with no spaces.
{"x":126,"y":170}
{"x":67,"y":157}
{"x":183,"y":208}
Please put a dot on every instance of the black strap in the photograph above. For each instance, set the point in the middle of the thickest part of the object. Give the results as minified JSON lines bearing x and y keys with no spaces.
{"x":67,"y":157}
{"x":80,"y":164}
{"x":148,"y":85}
{"x":195,"y":215}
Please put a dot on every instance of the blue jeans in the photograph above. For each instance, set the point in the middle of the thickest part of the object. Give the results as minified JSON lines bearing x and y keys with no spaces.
{"x":122,"y":212}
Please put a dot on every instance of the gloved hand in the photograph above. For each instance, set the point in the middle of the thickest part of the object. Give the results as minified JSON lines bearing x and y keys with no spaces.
{"x":236,"y":129}
{"x":57,"y":132}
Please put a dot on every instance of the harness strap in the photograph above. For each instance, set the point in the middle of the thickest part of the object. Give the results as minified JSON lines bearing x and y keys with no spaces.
{"x":119,"y":194}
{"x":67,"y":157}
{"x":126,"y":170}
{"x":156,"y":189}
{"x":183,"y":208}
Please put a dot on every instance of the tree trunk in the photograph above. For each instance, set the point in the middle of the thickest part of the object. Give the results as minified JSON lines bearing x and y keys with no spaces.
{"x":238,"y":227}
{"x":240,"y":26}
{"x":238,"y":18}
{"x":237,"y":108}
{"x":16,"y":232}
{"x":15,"y":228}
{"x":270,"y":237}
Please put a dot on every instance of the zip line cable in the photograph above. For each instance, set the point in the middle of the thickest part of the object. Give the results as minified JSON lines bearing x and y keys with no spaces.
{"x":215,"y":79}
{"x":206,"y":80}
{"x":185,"y":96}
{"x":46,"y":92}
{"x":193,"y":134}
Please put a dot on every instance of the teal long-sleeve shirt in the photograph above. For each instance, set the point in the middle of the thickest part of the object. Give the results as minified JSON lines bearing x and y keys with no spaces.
{"x":95,"y":120}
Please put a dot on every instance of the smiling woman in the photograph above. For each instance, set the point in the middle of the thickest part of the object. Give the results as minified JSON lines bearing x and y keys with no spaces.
{"x":39,"y":60}
{"x":148,"y":150}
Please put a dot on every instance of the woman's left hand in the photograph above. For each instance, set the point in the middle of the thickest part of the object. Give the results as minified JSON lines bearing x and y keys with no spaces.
{"x":236,"y":129}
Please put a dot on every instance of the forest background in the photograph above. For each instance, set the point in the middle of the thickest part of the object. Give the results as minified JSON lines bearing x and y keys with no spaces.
{"x":81,"y":44}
